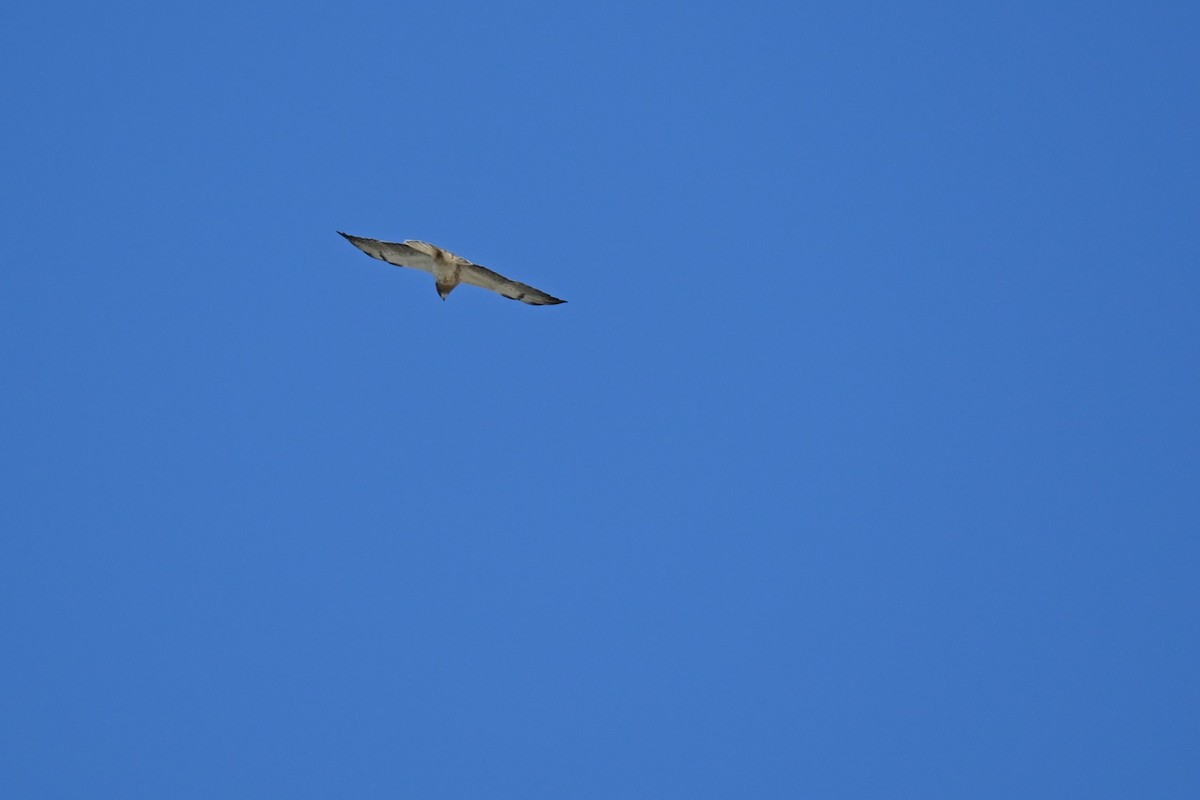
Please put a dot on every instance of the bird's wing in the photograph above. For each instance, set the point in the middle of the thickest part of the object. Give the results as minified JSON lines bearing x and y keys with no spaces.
{"x":402,"y":254}
{"x":482,"y":276}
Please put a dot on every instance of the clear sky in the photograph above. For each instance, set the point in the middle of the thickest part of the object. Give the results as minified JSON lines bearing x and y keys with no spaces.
{"x":863,"y":460}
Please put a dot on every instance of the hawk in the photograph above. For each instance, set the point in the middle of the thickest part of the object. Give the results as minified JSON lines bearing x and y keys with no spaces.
{"x":448,"y":269}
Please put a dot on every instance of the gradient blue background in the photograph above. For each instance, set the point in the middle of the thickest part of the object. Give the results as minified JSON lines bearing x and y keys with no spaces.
{"x":862,"y":461}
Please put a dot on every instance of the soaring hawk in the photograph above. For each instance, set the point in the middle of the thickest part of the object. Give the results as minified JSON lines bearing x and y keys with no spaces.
{"x":448,"y":269}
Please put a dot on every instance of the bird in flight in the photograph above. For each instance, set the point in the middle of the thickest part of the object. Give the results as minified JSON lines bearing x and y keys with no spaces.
{"x":448,"y":269}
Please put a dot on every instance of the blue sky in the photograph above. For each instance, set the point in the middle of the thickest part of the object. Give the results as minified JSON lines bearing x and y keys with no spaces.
{"x":862,"y":461}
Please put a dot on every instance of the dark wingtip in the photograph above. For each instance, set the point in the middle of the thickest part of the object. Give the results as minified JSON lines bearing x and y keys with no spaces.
{"x":348,"y":236}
